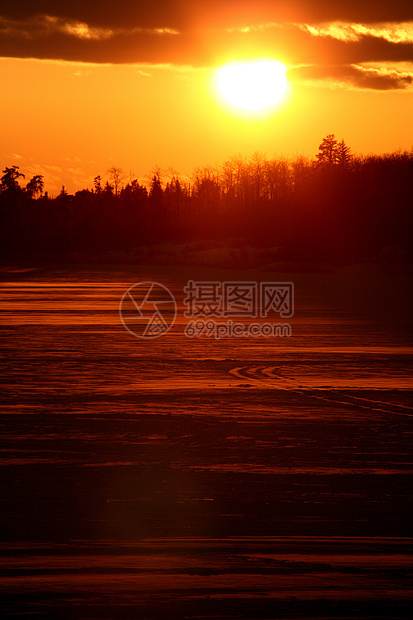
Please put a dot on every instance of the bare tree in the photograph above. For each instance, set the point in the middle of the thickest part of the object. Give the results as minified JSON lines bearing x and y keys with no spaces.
{"x":116,"y":175}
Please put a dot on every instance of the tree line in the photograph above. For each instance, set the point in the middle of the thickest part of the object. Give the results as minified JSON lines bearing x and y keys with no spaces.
{"x":335,"y":205}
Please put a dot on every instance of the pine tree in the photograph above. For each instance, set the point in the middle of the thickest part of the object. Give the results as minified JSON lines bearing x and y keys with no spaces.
{"x":327,"y":151}
{"x":343,"y":155}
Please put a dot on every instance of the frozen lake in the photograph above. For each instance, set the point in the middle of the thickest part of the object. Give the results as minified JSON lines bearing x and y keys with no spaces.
{"x":232,"y":478}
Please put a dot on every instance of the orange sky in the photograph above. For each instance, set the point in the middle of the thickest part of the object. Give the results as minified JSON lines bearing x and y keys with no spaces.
{"x":157,"y":106}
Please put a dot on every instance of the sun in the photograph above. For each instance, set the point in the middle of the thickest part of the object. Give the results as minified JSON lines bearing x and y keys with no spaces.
{"x":254,"y":85}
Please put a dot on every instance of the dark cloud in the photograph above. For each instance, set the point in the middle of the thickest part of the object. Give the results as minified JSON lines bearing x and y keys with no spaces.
{"x":102,"y":13}
{"x":182,"y":13}
{"x":296,"y":45}
{"x":205,"y":32}
{"x":355,"y":76}
{"x":123,"y":48}
{"x":58,"y":39}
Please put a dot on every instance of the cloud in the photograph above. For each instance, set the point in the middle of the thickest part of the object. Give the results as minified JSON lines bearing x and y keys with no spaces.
{"x":317,"y":33}
{"x":52,"y":174}
{"x":81,"y":73}
{"x":352,"y":75}
{"x":393,"y":32}
{"x":184,"y":14}
{"x":51,"y":37}
{"x":40,"y":26}
{"x":143,"y":73}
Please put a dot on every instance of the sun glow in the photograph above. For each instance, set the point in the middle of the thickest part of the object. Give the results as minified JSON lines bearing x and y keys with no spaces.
{"x":254,"y":85}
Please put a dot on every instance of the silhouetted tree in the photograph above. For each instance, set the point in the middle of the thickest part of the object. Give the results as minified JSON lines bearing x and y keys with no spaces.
{"x":116,"y":175}
{"x":345,"y":208}
{"x":156,"y":191}
{"x":97,"y":184}
{"x":35,"y":186}
{"x":343,"y":154}
{"x":9,"y":182}
{"x":327,"y":151}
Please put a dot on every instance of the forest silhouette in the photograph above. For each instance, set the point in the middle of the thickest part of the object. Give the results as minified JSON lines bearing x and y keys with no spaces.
{"x":334,"y":207}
